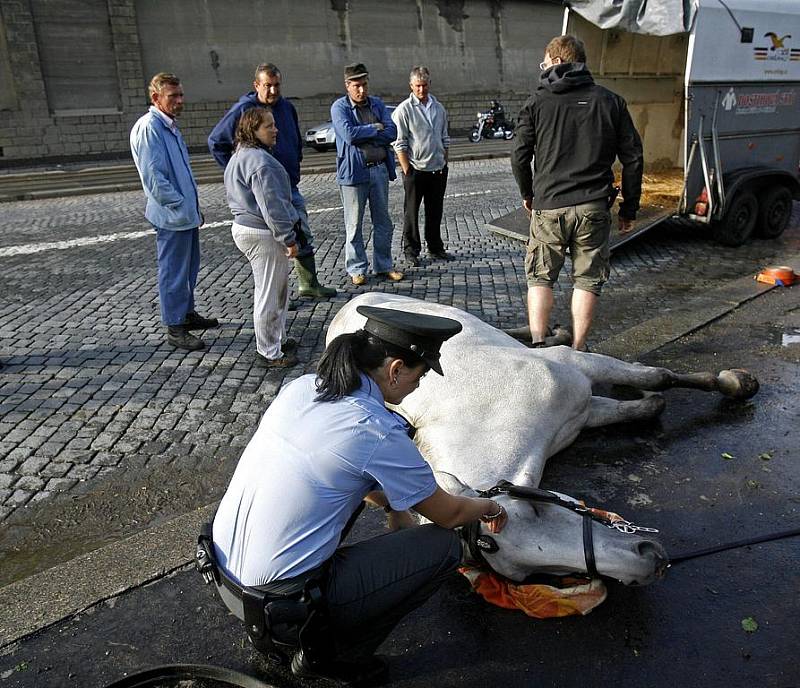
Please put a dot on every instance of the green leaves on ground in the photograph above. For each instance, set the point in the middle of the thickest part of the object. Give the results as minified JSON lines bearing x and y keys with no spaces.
{"x":749,"y":625}
{"x":727,"y":456}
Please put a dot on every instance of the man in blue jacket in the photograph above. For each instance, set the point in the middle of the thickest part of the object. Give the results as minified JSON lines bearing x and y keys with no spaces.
{"x":288,"y":151}
{"x":364,"y":166}
{"x":172,"y":208}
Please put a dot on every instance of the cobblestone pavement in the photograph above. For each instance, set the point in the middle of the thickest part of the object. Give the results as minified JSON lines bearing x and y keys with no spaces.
{"x":89,"y":386}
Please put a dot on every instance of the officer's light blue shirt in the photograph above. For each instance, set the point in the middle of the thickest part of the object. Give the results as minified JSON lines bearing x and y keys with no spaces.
{"x":305,"y":471}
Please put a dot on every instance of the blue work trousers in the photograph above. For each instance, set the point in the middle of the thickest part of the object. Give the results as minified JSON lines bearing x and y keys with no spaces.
{"x":354,"y":200}
{"x":178,"y":265}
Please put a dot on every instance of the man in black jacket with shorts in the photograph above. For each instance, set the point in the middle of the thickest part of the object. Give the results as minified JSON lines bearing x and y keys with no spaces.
{"x":573,"y":130}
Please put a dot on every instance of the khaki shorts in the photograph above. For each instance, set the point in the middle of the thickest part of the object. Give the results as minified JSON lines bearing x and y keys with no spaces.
{"x":583,"y":229}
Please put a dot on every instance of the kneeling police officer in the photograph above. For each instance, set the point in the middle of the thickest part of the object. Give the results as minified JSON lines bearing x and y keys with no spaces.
{"x":325,"y":446}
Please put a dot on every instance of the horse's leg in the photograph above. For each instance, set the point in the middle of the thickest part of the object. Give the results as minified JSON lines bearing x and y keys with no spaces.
{"x":735,"y":383}
{"x":605,"y":411}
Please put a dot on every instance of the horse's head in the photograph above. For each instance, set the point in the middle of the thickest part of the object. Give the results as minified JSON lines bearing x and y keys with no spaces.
{"x":542,"y":537}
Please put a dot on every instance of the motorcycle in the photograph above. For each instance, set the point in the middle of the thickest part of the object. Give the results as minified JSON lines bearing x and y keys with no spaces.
{"x":488,"y":128}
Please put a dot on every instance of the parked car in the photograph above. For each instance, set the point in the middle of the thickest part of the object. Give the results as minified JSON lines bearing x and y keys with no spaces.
{"x":322,"y":137}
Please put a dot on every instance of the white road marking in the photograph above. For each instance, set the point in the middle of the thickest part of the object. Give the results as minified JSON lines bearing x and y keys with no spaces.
{"x":470,"y":193}
{"x":29,"y":249}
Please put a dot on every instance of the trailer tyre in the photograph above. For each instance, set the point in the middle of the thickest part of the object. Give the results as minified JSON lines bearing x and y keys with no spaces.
{"x":739,"y":221}
{"x":474,"y":136}
{"x":774,"y":212}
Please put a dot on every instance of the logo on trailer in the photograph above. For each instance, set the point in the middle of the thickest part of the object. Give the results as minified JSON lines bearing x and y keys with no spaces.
{"x":729,"y":101}
{"x":777,"y":50}
{"x":758,"y":102}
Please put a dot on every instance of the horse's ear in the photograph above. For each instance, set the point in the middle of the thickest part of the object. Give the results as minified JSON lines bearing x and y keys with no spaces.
{"x":486,"y":544}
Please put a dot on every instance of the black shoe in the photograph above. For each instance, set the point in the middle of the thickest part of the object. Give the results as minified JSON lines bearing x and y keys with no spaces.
{"x":180,"y":337}
{"x":195,"y":321}
{"x":292,"y":306}
{"x":286,"y":361}
{"x":369,"y":672}
{"x":289,"y":346}
{"x":412,"y":260}
{"x":441,"y":255}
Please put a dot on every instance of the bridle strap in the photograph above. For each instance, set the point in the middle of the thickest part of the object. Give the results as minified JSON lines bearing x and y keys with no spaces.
{"x":470,"y":534}
{"x":536,"y":494}
{"x":588,"y":547}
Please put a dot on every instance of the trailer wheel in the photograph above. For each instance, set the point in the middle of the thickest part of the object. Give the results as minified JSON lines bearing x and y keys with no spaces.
{"x":774,"y":212}
{"x":739,"y":220}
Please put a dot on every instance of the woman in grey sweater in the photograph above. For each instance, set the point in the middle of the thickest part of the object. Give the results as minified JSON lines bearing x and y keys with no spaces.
{"x":264,"y":219}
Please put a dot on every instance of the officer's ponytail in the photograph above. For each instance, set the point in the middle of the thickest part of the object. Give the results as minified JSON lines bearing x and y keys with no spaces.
{"x":340,"y":367}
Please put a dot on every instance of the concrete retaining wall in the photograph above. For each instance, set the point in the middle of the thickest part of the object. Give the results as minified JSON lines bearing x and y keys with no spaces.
{"x":476,"y":49}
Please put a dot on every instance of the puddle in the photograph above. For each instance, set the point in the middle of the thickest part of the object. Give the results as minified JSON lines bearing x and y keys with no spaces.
{"x":790,"y":338}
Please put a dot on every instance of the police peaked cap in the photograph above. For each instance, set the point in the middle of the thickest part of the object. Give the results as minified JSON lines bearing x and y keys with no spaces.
{"x":418,"y":333}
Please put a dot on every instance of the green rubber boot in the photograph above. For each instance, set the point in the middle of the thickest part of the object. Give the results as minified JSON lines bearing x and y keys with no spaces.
{"x":308,"y":285}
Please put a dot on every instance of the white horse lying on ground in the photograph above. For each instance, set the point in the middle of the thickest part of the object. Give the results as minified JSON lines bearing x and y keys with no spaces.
{"x":502,"y":409}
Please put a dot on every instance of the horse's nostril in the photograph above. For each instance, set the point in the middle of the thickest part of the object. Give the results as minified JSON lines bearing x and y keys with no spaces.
{"x":649,"y":548}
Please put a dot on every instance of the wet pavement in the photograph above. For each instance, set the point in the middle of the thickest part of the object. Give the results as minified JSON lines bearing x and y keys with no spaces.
{"x":109,"y":439}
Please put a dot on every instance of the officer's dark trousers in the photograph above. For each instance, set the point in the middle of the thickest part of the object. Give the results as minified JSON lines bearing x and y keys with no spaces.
{"x":373,"y":584}
{"x":429,"y":187}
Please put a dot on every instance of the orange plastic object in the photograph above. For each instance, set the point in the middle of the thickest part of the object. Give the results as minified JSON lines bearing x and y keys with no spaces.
{"x":781,"y":275}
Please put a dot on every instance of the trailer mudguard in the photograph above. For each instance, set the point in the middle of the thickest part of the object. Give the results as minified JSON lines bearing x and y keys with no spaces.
{"x":756,"y":178}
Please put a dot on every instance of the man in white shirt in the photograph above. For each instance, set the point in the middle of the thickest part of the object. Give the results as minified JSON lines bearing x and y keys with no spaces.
{"x":421,"y":146}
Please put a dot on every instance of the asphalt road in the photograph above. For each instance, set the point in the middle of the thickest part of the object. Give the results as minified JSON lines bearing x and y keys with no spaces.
{"x":110,"y":442}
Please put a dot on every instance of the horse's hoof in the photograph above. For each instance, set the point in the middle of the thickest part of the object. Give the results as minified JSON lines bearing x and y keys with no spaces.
{"x":560,"y":337}
{"x":653,"y":404}
{"x":522,"y":334}
{"x":737,"y":383}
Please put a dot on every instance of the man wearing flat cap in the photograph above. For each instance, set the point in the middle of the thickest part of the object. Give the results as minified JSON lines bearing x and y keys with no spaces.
{"x":302,"y":487}
{"x":364,"y":167}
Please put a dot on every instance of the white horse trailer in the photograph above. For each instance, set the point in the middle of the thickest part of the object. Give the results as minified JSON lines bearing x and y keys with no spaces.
{"x":717,"y":106}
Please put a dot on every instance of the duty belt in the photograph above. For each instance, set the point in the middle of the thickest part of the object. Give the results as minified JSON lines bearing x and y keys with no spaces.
{"x":274,"y":614}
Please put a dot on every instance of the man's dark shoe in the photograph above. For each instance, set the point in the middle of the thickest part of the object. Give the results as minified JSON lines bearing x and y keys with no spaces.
{"x":180,"y":337}
{"x":195,"y":321}
{"x":372,"y":671}
{"x":289,"y":346}
{"x":441,"y":255}
{"x":286,"y":361}
{"x":412,"y":260}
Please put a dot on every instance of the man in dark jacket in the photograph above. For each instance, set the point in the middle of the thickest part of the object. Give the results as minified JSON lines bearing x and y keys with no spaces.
{"x":573,"y":130}
{"x":288,"y":151}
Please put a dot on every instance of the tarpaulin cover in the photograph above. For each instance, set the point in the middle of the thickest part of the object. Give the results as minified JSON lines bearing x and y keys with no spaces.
{"x":652,"y":17}
{"x":578,"y":596}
